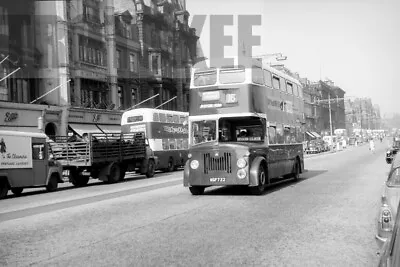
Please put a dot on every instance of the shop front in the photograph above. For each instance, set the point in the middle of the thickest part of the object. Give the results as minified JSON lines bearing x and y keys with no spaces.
{"x":30,"y":118}
{"x":83,"y":120}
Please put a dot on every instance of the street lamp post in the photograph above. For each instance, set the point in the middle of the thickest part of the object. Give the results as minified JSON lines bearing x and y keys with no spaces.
{"x":330,"y":115}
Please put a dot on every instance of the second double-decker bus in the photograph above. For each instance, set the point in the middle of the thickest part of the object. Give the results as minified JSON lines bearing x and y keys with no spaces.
{"x":166,"y":132}
{"x":245,"y":127}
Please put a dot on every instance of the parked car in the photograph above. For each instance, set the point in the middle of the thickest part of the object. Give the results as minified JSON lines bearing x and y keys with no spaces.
{"x":313,"y":147}
{"x":390,"y":251}
{"x":389,"y":203}
{"x":393,"y":150}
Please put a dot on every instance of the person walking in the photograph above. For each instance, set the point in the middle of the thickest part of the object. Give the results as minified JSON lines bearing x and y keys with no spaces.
{"x":372,"y":146}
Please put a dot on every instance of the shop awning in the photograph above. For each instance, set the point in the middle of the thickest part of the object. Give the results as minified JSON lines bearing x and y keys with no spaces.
{"x":21,"y":129}
{"x":110,"y":128}
{"x":310,"y":134}
{"x":84,"y":128}
{"x":316,"y":134}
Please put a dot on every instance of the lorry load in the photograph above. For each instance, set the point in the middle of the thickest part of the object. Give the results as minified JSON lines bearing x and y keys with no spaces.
{"x":105,"y":156}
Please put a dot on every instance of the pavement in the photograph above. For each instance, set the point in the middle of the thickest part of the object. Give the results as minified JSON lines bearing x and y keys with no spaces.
{"x":327,"y":218}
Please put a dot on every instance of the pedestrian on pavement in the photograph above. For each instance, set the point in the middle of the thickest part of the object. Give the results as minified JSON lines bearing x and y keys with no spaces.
{"x":372,"y":146}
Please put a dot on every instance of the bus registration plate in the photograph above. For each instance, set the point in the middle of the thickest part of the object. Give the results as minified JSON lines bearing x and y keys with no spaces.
{"x":217,"y":179}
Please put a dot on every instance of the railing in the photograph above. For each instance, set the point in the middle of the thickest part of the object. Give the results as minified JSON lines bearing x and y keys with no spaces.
{"x":98,"y":148}
{"x":71,"y":153}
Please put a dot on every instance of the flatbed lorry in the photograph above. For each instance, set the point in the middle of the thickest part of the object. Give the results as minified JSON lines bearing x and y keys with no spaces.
{"x":104,"y":156}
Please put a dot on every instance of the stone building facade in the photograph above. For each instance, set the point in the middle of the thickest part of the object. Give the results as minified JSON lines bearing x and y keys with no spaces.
{"x":316,"y":104}
{"x":88,"y":60}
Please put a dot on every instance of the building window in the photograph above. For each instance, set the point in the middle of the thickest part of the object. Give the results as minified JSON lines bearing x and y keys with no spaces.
{"x":91,"y":14}
{"x":3,"y":21}
{"x":120,"y":100}
{"x":132,"y":62}
{"x":24,"y":34}
{"x":154,"y":64}
{"x":81,"y":53}
{"x":91,"y":51}
{"x":118,"y":59}
{"x":134,"y":96}
{"x":127,"y":30}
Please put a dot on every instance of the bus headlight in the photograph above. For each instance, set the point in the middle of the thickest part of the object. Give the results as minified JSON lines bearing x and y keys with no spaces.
{"x":241,"y":163}
{"x":189,"y":155}
{"x":194,"y":164}
{"x":241,"y":174}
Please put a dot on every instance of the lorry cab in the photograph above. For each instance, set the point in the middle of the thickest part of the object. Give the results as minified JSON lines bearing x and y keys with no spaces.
{"x":26,"y":162}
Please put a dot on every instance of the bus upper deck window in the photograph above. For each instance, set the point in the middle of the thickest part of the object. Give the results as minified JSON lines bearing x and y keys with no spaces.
{"x":163,"y":117}
{"x":257,"y":75}
{"x":289,"y":88}
{"x":267,"y":78}
{"x":156,"y":117}
{"x":232,"y":75}
{"x":175,"y":119}
{"x":202,"y":78}
{"x":276,"y":82}
{"x":295,"y":90}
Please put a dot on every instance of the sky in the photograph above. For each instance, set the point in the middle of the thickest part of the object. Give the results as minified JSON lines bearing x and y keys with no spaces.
{"x":354,"y":43}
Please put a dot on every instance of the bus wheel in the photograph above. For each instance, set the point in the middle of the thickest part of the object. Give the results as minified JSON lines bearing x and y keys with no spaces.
{"x":262,"y":180}
{"x":17,"y":191}
{"x":151,"y":169}
{"x":296,"y":173}
{"x":80,"y":180}
{"x":3,"y":187}
{"x":115,"y":173}
{"x":171,"y":166}
{"x":53,"y":183}
{"x":197,"y":190}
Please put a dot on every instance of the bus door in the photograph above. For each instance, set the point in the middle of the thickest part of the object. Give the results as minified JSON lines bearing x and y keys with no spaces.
{"x":39,"y":161}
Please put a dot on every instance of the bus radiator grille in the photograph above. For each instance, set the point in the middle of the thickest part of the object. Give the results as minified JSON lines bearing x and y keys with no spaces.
{"x":222,"y":163}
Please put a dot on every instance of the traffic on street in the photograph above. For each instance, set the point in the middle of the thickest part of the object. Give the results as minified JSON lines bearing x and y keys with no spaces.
{"x":199,"y":133}
{"x":326,"y":218}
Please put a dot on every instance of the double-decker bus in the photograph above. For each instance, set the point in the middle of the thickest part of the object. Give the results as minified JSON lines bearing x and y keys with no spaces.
{"x":245,"y":127}
{"x":166,"y":132}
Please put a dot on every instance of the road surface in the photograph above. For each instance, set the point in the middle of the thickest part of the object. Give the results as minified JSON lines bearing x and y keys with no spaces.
{"x":325,"y":219}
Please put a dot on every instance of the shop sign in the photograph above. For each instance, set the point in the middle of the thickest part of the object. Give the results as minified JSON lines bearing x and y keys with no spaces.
{"x":11,"y":116}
